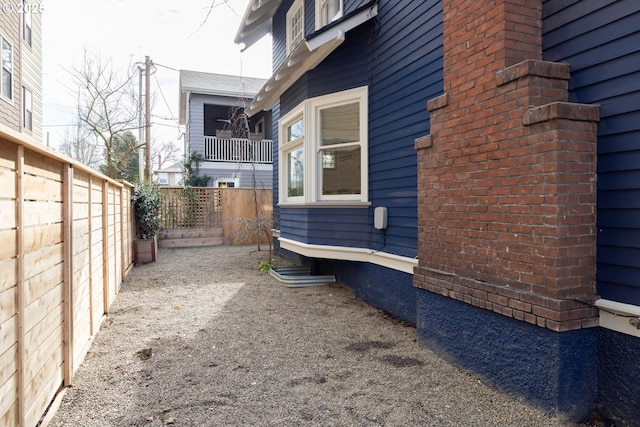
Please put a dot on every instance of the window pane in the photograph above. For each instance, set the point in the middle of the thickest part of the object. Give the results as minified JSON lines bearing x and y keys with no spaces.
{"x":295,"y":165}
{"x":340,"y":124}
{"x":296,"y":130}
{"x":7,"y":69}
{"x":26,"y":109}
{"x":296,"y":28}
{"x":344,"y":175}
{"x":329,"y":10}
{"x":6,"y":84}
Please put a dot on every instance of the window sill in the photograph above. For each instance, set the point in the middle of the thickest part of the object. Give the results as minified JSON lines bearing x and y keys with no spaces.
{"x":326,"y":204}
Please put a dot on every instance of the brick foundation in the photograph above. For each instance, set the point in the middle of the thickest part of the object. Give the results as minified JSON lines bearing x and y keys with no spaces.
{"x":507,"y":177}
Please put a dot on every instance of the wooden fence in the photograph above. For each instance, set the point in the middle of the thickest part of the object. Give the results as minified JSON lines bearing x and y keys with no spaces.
{"x":66,"y":236}
{"x":238,"y":211}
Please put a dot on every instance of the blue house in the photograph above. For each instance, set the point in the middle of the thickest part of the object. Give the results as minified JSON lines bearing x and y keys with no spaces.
{"x":502,"y":219}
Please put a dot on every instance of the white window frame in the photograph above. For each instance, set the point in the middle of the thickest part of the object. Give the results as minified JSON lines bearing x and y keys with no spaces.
{"x":295,"y":35}
{"x":321,"y":21}
{"x":163,"y":178}
{"x":27,"y":109}
{"x":26,"y":18}
{"x":218,"y":181}
{"x":3,"y":70}
{"x":310,"y":110}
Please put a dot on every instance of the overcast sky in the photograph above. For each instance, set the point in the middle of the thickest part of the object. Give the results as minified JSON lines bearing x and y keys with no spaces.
{"x":168,"y":31}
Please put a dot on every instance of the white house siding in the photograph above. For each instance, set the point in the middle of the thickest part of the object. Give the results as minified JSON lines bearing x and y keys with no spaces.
{"x":243,"y":172}
{"x":31,"y":69}
{"x":196,"y":123}
{"x":10,"y":31}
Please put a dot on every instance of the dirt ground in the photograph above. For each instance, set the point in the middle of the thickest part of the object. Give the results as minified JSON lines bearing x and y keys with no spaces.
{"x":202,"y":338}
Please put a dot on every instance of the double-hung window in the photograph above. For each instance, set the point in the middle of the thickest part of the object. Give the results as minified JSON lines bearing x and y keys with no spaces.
{"x":323,"y":150}
{"x":27,"y":109}
{"x":295,"y":25}
{"x":328,"y":11}
{"x":26,"y":22}
{"x":6,"y":69}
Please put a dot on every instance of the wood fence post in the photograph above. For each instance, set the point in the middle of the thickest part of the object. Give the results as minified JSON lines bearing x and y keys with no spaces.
{"x":105,"y":245}
{"x":92,"y":326}
{"x":20,"y":282}
{"x":67,"y":272}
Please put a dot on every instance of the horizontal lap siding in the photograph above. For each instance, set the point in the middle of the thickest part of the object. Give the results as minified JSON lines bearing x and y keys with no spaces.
{"x":322,"y":226}
{"x":310,"y":225}
{"x":196,"y":123}
{"x":406,"y":71}
{"x":402,"y":66}
{"x":601,"y":41}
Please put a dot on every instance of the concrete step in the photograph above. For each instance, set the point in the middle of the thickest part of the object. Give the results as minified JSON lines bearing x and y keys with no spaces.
{"x":190,"y":237}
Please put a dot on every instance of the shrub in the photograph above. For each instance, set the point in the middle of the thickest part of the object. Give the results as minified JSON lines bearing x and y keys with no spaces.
{"x":146,"y":205}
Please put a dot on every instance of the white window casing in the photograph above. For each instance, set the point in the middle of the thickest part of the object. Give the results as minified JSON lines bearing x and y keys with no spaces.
{"x":295,"y":25}
{"x":328,"y":11}
{"x":6,"y":69}
{"x":27,"y":109}
{"x":331,"y":151}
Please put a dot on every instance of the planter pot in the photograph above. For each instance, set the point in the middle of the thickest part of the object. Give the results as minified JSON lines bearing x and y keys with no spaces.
{"x":224,"y":134}
{"x":145,"y":250}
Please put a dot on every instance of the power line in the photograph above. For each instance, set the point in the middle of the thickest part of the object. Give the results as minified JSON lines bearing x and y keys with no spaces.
{"x":165,"y":101}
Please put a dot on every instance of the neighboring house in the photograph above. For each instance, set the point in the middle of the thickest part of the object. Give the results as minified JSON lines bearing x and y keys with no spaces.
{"x":171,"y":176}
{"x":211,"y":103}
{"x":21,"y":68}
{"x":474,"y":218}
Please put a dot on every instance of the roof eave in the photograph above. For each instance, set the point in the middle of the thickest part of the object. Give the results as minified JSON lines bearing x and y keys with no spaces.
{"x":307,"y":56}
{"x":256,"y":22}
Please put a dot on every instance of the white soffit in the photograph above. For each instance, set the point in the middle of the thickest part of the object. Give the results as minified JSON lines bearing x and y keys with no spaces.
{"x":306,"y":56}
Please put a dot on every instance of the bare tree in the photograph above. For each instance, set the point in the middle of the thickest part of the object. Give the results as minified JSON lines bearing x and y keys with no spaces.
{"x":81,"y":145}
{"x":108,"y":107}
{"x":164,"y":152}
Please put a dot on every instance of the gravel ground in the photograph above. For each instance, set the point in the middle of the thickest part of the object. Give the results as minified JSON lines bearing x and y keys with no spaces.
{"x":202,"y":338}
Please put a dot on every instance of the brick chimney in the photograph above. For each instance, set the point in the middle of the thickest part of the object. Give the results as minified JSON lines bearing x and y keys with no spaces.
{"x":507,"y":177}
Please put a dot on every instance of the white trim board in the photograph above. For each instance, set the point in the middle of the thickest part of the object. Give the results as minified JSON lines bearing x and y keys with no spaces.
{"x":384,"y":259}
{"x":616,"y":316}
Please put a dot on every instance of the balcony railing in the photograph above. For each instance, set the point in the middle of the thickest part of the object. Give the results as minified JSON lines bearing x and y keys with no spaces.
{"x":237,"y":150}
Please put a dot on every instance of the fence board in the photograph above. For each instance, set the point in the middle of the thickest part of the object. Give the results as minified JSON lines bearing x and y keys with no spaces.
{"x":242,"y":210}
{"x":232,"y":209}
{"x":9,"y":277}
{"x":40,"y":188}
{"x":8,"y":359}
{"x":8,"y":180}
{"x":54,"y":237}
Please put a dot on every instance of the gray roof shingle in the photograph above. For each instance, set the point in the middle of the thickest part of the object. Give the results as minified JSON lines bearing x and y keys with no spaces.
{"x":219,"y":84}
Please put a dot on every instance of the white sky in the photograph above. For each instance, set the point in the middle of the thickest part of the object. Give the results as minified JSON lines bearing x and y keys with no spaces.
{"x":127,"y":30}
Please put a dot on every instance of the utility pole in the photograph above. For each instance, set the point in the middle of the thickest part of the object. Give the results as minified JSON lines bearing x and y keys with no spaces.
{"x":140,"y":129}
{"x":147,"y":114}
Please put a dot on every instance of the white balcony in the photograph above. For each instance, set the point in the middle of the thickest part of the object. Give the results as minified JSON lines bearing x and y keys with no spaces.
{"x":237,"y":150}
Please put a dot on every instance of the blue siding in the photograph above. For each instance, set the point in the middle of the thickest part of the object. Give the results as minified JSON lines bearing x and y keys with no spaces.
{"x":275,"y":116}
{"x":402,"y":65}
{"x":406,"y":71}
{"x":601,"y":41}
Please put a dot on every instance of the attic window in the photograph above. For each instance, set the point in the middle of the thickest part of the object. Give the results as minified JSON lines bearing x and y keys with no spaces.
{"x":295,"y":25}
{"x":327,"y":11}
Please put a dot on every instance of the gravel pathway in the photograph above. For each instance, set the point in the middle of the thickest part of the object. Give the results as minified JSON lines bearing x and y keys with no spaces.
{"x":202,"y":338}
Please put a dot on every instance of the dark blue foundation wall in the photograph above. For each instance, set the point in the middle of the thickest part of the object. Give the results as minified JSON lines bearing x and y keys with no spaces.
{"x":555,"y":371}
{"x":619,"y":378}
{"x":384,"y":288}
